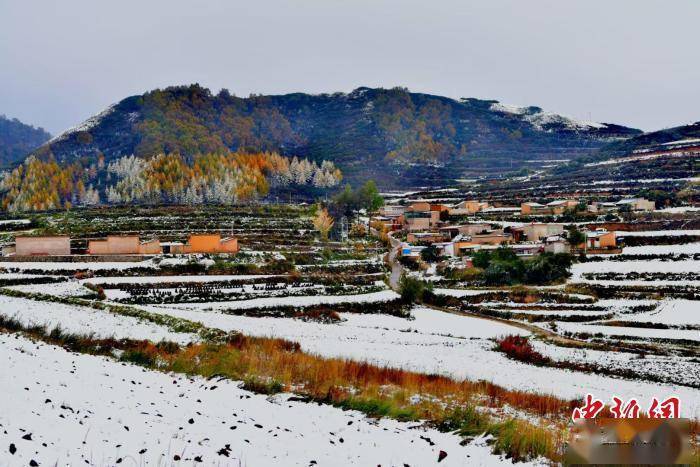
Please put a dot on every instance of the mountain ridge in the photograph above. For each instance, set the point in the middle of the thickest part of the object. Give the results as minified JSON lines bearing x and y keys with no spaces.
{"x":17,"y":139}
{"x":395,"y":136}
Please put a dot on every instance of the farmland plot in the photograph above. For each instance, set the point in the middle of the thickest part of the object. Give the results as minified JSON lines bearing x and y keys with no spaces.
{"x":434,"y":342}
{"x":60,"y":408}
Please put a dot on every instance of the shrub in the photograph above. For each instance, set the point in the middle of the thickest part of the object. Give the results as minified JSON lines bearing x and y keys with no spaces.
{"x":262,"y":385}
{"x":138,"y":356}
{"x":412,"y":289}
{"x":519,"y":348}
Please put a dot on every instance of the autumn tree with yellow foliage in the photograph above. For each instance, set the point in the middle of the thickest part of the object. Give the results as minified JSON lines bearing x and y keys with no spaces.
{"x":323,"y":222}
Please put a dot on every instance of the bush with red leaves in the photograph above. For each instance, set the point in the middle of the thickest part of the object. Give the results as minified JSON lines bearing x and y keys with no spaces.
{"x":519,"y":348}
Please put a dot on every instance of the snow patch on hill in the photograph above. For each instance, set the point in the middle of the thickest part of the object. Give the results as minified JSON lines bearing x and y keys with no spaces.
{"x":544,"y":121}
{"x":85,"y":126}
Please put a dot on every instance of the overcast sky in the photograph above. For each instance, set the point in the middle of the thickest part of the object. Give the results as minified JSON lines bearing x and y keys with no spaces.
{"x":633,"y":62}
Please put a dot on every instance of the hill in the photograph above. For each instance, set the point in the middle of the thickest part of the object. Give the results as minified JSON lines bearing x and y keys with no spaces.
{"x":18,"y":139}
{"x":651,"y":141}
{"x":671,"y":153}
{"x":396,"y":137}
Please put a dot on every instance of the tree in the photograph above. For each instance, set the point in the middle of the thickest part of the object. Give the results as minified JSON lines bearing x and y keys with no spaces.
{"x":576,"y":237}
{"x":481,"y":259}
{"x":369,"y":197}
{"x":430,"y":254}
{"x":323,"y":222}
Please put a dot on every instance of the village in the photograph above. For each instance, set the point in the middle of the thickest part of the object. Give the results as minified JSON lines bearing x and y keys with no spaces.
{"x":454,"y":232}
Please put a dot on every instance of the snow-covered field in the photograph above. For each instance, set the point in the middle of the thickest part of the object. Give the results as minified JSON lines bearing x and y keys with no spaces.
{"x":681,"y":369}
{"x":76,"y":266}
{"x":60,"y":408}
{"x":297,"y":301}
{"x":165,"y":279}
{"x":84,"y":320}
{"x":435,"y":342}
{"x":673,"y":312}
{"x":461,"y":292}
{"x":687,"y":248}
{"x":656,"y":233}
{"x":68,"y":288}
{"x":610,"y":331}
{"x":653,"y":265}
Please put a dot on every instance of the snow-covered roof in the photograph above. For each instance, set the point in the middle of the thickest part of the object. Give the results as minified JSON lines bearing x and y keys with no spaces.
{"x":598,"y":233}
{"x":558,"y":202}
{"x":630,"y":200}
{"x":553,"y":239}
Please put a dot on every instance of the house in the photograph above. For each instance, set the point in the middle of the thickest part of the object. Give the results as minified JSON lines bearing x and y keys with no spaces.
{"x":501,"y":210}
{"x":425,"y":237}
{"x":636,"y":204}
{"x":387,"y":223}
{"x":124,"y":245}
{"x":465,"y":229}
{"x":600,"y":240}
{"x":173,"y":248}
{"x":560,"y":206}
{"x":556,"y":207}
{"x":445,"y":248}
{"x":598,"y":207}
{"x":48,"y":245}
{"x":392,"y":210}
{"x":421,"y":216}
{"x":527,"y":249}
{"x":411,"y":251}
{"x":474,"y":229}
{"x":492,"y":237}
{"x":532,"y":208}
{"x":535,"y":231}
{"x":463,"y":248}
{"x":556,"y":244}
{"x":468,"y":207}
{"x":210,"y":243}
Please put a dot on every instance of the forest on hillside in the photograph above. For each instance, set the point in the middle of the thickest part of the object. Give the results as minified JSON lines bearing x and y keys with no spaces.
{"x":217,"y":178}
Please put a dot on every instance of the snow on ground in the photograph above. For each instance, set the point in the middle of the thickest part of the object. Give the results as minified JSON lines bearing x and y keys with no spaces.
{"x":160,"y":279}
{"x":117,"y":294}
{"x":462,"y":292}
{"x":654,"y":265}
{"x":84,"y":320}
{"x":688,"y":248}
{"x":558,"y":312}
{"x":15,"y":221}
{"x":436,"y":342}
{"x":656,"y":233}
{"x":267,"y":302}
{"x":79,"y":409}
{"x":19,"y":275}
{"x":672,"y":312}
{"x":670,"y":334}
{"x":69,"y":288}
{"x":679,"y":209}
{"x":75,"y":266}
{"x":681,"y":369}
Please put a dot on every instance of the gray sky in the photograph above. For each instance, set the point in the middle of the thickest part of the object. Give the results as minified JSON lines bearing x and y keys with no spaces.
{"x":632,"y":62}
